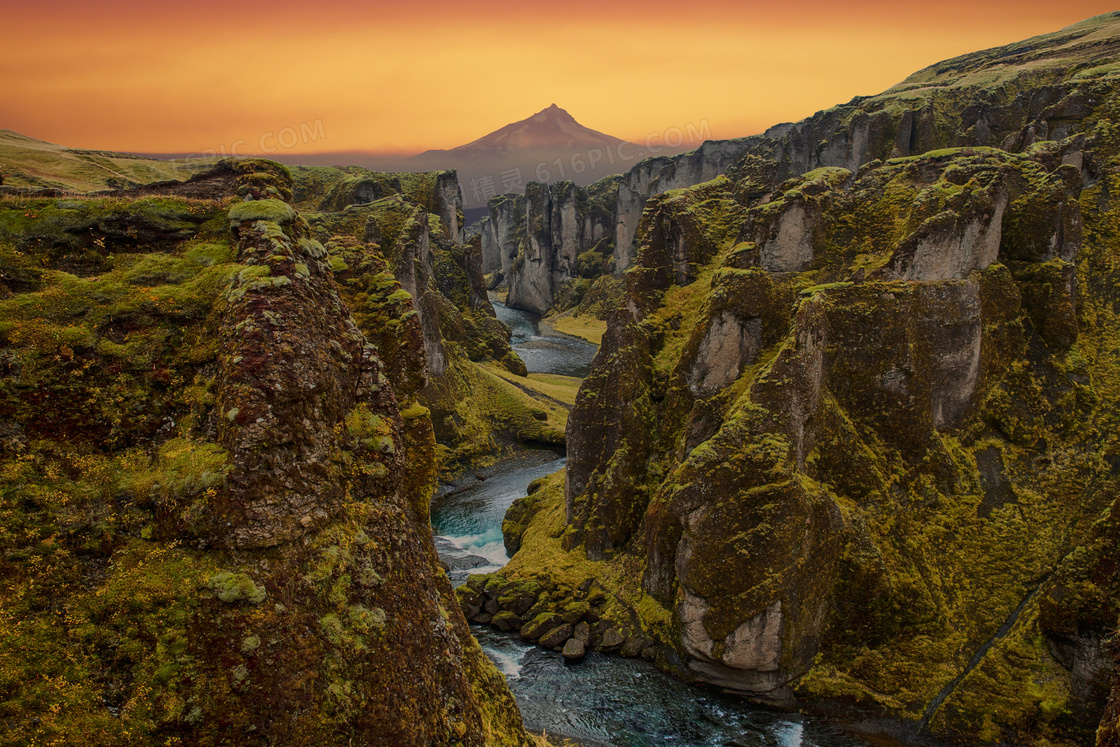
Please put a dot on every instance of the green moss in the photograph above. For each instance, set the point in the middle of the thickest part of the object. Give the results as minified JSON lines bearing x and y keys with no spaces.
{"x":499,"y":410}
{"x":1010,"y":691}
{"x":253,"y":273}
{"x":232,"y":588}
{"x":142,"y":612}
{"x":116,"y":497}
{"x":270,"y":210}
{"x":415,"y":411}
{"x":183,"y":472}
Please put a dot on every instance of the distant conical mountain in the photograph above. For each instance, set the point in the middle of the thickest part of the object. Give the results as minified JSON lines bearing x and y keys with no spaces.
{"x":549,"y":129}
{"x":547,"y":147}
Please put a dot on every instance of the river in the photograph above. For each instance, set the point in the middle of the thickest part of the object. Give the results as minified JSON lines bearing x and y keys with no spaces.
{"x":545,"y":353}
{"x":603,"y":700}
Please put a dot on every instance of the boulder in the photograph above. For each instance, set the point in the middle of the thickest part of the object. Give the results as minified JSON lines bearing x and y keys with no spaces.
{"x":574,"y":650}
{"x":539,"y":625}
{"x":505,"y":621}
{"x":634,"y":646}
{"x":556,"y":637}
{"x":470,"y":601}
{"x":575,"y":612}
{"x":611,"y":640}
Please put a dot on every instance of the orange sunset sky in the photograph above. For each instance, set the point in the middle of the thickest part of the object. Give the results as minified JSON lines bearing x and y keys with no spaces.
{"x":408,"y":76}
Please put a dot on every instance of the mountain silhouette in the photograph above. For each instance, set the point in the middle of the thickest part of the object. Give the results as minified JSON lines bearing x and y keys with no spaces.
{"x":549,"y":129}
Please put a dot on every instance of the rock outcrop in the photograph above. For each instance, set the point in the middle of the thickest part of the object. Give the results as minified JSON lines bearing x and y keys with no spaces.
{"x":851,"y":439}
{"x":215,"y":486}
{"x":416,"y":228}
{"x":657,"y":175}
{"x":946,"y":105}
{"x":331,"y":189}
{"x":548,"y":240}
{"x":502,"y":231}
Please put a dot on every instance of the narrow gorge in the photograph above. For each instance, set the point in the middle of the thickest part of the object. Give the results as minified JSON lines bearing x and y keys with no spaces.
{"x":804,"y":439}
{"x":847,"y":445}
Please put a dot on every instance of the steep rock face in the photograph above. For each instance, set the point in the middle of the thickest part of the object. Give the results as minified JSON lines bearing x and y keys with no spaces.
{"x":531,"y":275}
{"x":502,"y":232}
{"x":549,"y":239}
{"x":656,"y":175}
{"x":954,"y":103}
{"x":832,"y":414}
{"x":623,"y":409}
{"x":223,"y":508}
{"x":442,"y":279}
{"x":488,"y":243}
{"x":415,"y":269}
{"x":568,"y":224}
{"x":447,"y":203}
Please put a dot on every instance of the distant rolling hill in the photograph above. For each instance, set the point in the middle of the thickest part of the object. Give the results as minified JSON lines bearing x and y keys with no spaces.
{"x":30,"y":163}
{"x":548,"y":146}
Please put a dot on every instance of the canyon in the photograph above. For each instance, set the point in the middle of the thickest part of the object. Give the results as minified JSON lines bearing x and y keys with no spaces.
{"x":847,"y":447}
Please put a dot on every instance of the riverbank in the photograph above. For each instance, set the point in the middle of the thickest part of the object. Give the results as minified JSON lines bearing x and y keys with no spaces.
{"x":606,"y":699}
{"x":584,"y":327}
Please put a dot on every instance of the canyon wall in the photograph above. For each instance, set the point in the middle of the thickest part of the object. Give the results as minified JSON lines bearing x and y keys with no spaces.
{"x":216,"y":479}
{"x":850,"y":443}
{"x":547,"y":239}
{"x":411,"y":219}
{"x":950,"y":104}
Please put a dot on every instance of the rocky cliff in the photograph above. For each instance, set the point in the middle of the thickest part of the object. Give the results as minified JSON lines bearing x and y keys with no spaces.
{"x":333,"y":189}
{"x":549,"y":240}
{"x":501,"y":233}
{"x":1009,"y":97}
{"x":414,"y":221}
{"x":215,"y":484}
{"x":851,"y":442}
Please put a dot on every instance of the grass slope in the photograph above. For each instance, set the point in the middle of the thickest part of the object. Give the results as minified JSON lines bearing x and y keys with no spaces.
{"x":27,"y":162}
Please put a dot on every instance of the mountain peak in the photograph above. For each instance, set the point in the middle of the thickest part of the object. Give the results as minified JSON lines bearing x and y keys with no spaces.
{"x":549,"y":129}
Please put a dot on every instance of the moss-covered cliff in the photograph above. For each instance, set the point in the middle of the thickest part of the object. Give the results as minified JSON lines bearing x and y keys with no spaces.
{"x":548,"y":246}
{"x":381,"y":227}
{"x":1044,"y":88}
{"x":851,"y":442}
{"x":214,"y":483}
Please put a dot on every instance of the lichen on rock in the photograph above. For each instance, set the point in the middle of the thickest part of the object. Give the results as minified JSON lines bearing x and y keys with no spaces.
{"x":204,"y":468}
